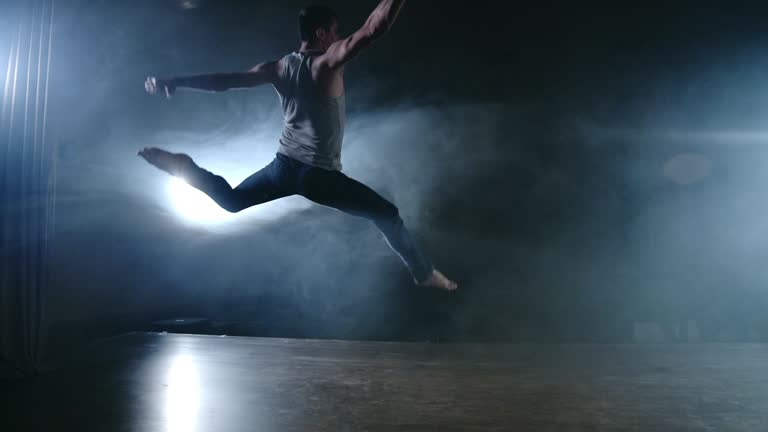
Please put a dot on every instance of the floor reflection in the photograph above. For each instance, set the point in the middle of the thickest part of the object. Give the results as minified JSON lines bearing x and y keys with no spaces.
{"x":182,"y":398}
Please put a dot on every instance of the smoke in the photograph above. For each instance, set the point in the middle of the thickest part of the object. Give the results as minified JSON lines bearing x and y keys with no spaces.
{"x":566,"y":210}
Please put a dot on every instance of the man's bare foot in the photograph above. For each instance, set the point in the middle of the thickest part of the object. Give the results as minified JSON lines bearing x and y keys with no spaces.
{"x":173,"y":163}
{"x":438,"y":280}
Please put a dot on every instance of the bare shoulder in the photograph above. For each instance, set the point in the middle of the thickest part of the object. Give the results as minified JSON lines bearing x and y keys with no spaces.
{"x":330,"y":79}
{"x":344,"y":50}
{"x":267,"y":72}
{"x":322,"y":62}
{"x":271,"y":66}
{"x":324,"y":65}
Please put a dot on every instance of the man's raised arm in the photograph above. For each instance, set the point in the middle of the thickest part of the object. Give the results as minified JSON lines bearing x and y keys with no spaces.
{"x":378,"y":23}
{"x":263,"y":73}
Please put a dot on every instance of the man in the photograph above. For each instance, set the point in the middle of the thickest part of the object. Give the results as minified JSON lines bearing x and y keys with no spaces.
{"x":310,"y":84}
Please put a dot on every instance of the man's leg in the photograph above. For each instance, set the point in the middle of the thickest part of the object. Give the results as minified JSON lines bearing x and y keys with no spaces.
{"x":260,"y":187}
{"x":334,"y":189}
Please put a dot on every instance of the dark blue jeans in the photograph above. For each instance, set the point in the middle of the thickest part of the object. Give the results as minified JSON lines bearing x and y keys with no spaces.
{"x":285,"y":176}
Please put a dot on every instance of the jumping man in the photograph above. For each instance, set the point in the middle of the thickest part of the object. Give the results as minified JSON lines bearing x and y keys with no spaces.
{"x":310,"y":84}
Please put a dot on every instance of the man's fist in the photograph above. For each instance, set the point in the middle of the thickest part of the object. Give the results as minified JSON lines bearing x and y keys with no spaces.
{"x":155,"y":86}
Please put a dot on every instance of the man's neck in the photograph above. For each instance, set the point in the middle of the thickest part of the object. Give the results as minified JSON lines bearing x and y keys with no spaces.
{"x":306,"y":47}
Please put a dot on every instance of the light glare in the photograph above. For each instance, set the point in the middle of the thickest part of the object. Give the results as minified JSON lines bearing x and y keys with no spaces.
{"x":195,"y":206}
{"x":182,"y":395}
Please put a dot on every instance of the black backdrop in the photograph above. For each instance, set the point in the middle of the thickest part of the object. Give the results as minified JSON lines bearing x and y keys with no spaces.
{"x":579,"y":169}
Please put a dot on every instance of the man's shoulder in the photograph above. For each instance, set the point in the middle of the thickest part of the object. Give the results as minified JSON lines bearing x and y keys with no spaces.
{"x":322,"y":64}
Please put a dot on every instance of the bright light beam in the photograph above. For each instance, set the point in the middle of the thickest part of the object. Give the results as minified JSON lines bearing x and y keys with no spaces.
{"x":195,"y":206}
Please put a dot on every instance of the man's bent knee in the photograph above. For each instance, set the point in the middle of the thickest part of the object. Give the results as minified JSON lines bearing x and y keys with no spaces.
{"x":232,"y":207}
{"x":230,"y":204}
{"x":388,"y":218}
{"x":389,"y":212}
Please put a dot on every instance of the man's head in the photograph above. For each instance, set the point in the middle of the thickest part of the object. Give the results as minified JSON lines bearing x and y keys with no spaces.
{"x":318,"y":26}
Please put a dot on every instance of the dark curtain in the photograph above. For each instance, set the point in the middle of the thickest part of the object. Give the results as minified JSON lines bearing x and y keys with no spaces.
{"x":28,"y":183}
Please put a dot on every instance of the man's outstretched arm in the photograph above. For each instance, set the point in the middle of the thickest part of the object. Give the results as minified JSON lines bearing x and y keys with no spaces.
{"x":378,"y":23}
{"x":263,"y":73}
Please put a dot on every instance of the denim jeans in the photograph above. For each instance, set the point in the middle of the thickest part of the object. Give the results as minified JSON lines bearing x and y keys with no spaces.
{"x":285,"y":176}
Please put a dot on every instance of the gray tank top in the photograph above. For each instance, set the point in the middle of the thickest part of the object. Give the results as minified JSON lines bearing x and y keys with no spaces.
{"x":313,"y":123}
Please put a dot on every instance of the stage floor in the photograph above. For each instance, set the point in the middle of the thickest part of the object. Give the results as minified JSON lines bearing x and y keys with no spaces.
{"x":169,"y":382}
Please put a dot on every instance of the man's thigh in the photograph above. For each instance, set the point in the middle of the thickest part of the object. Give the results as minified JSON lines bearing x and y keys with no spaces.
{"x":262,"y":186}
{"x":335,"y":189}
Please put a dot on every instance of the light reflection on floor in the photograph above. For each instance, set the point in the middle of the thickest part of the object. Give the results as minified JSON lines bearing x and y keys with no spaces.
{"x":182,"y":396}
{"x":153,"y":382}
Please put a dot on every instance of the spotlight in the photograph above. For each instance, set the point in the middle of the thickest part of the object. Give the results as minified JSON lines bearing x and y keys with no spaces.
{"x":195,"y":206}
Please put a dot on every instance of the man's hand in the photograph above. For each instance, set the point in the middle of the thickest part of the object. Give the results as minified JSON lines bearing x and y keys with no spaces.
{"x":155,"y":86}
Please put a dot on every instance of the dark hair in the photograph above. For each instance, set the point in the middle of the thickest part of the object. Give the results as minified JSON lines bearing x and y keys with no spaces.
{"x":314,"y":17}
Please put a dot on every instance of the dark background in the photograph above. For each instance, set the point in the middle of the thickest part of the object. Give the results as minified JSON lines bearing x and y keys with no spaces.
{"x":578,"y":168}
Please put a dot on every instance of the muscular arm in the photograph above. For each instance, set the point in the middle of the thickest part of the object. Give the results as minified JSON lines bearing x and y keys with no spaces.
{"x":378,"y":23}
{"x":263,"y":73}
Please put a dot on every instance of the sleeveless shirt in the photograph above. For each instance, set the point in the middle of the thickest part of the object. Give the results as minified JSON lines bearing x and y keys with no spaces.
{"x":313,"y":123}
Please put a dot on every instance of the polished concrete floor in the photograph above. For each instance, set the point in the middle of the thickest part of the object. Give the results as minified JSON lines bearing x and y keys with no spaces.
{"x":165,"y":382}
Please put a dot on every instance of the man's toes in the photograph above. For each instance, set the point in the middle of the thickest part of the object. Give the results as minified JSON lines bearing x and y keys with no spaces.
{"x":151,"y":153}
{"x":147,"y":155}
